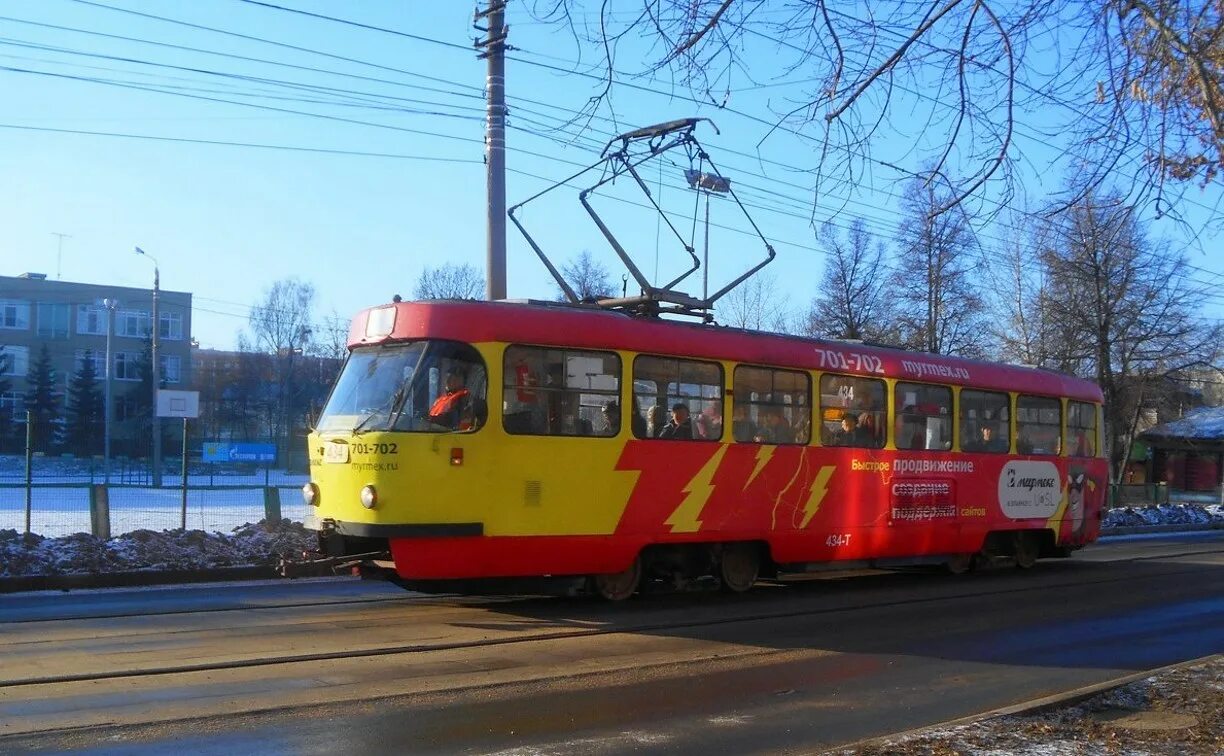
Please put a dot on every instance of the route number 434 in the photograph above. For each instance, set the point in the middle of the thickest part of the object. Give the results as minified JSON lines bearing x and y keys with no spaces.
{"x":838,"y":539}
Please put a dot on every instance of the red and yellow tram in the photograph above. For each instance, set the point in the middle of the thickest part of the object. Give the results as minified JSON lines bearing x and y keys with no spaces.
{"x":499,"y":439}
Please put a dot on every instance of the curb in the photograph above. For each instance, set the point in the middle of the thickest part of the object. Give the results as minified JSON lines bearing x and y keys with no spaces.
{"x":1139,"y":529}
{"x":135,"y":578}
{"x":1035,"y":706}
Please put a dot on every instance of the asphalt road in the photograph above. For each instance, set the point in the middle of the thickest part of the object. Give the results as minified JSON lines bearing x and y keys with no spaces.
{"x":360,"y":667}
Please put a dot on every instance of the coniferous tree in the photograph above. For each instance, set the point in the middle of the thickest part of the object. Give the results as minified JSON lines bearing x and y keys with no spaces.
{"x":85,"y":409}
{"x":42,"y":400}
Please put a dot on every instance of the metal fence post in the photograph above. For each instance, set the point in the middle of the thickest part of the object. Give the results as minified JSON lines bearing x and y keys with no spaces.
{"x":99,"y":510}
{"x":272,"y":508}
{"x":183,"y":484}
{"x":29,"y":499}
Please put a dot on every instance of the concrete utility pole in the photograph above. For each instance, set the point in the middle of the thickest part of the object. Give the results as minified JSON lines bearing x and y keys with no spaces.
{"x":157,"y":471}
{"x":493,"y":48}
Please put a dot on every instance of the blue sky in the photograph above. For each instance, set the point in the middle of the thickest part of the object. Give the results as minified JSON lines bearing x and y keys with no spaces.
{"x":225,"y":222}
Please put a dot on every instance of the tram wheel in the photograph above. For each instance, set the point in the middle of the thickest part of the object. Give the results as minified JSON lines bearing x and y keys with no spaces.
{"x":1024,"y":550}
{"x":739,"y":567}
{"x":959,"y":564}
{"x":619,"y":586}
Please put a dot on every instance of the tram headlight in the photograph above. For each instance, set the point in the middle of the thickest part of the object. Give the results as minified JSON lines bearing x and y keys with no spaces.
{"x":310,"y":495}
{"x":369,"y":497}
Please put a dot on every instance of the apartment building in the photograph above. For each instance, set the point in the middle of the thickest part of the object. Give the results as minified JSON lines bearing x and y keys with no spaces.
{"x":70,"y":319}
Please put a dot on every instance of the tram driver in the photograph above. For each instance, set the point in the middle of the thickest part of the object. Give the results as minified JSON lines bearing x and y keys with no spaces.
{"x":453,"y":408}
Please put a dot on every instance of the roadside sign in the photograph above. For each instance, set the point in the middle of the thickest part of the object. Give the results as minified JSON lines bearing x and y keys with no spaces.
{"x":178,"y":403}
{"x":238,"y":451}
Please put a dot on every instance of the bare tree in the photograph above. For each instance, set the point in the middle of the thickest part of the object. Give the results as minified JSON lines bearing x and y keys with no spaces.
{"x":1128,"y":310}
{"x":1133,"y":83}
{"x":331,"y":336}
{"x":589,"y":279}
{"x":450,"y":281}
{"x":939,"y":307}
{"x":281,"y":327}
{"x":757,"y":305}
{"x":853,"y":299}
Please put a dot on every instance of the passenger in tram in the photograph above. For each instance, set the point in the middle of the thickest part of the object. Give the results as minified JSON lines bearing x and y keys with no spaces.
{"x":654,"y":421}
{"x":680,"y":427}
{"x":851,"y":433}
{"x":987,"y":441}
{"x":638,"y":423}
{"x":741,"y":427}
{"x":775,"y":429}
{"x":612,"y":418}
{"x":453,"y":408}
{"x":803,"y":429}
{"x":709,"y":423}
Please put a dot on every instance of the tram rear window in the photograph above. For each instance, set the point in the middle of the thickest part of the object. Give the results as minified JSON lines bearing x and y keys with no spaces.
{"x":561,"y":392}
{"x":1038,"y":425}
{"x":419,"y":386}
{"x":1081,"y":429}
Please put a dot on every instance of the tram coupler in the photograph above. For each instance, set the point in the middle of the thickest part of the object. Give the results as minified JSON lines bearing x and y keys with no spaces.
{"x":315,"y":564}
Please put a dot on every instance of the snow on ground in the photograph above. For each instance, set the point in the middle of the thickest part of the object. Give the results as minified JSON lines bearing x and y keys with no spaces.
{"x":1163,"y":514}
{"x":1175,"y":712}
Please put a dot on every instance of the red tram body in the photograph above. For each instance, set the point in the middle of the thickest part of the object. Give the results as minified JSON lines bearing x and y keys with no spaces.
{"x":831,"y":453}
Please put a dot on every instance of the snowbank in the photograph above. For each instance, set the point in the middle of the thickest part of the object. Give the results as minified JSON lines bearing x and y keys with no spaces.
{"x":250,"y":544}
{"x":1163,"y":514}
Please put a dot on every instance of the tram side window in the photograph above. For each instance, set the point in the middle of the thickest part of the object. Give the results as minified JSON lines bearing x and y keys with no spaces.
{"x":984,"y":422}
{"x":771,"y":406}
{"x":677,"y":399}
{"x":852,"y":411}
{"x":1081,"y":429}
{"x":924,"y":416}
{"x":561,"y":392}
{"x":1038,"y":421}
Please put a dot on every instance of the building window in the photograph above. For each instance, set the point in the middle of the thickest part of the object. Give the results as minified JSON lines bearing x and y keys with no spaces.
{"x":14,"y":360}
{"x":771,"y":406}
{"x":171,"y":326}
{"x":1081,"y":429}
{"x":170,"y":368}
{"x":680,"y":400}
{"x":53,"y":320}
{"x":924,"y":416}
{"x":12,"y":404}
{"x":91,"y":320}
{"x":127,"y":408}
{"x":98,"y":358}
{"x":561,"y":392}
{"x":14,"y":314}
{"x":127,"y":366}
{"x":1038,"y":425}
{"x":852,"y":411}
{"x":132,"y":323}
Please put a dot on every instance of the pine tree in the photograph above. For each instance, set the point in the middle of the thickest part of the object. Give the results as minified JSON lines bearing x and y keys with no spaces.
{"x":85,"y":409}
{"x":41,"y":400}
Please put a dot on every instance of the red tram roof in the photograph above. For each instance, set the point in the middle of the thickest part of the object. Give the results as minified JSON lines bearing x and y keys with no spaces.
{"x":592,"y":328}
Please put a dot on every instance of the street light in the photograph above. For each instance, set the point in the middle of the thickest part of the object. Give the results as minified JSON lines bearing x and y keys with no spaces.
{"x":707,"y":184}
{"x":157,"y":473}
{"x":110,"y":305}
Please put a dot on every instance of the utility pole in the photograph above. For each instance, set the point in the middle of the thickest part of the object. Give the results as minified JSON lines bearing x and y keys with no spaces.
{"x":157,"y":471}
{"x":493,"y":50}
{"x":59,"y":252}
{"x":110,"y":305}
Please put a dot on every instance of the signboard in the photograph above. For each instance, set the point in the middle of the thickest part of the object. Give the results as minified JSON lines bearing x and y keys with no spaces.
{"x":178,"y":403}
{"x":238,"y":451}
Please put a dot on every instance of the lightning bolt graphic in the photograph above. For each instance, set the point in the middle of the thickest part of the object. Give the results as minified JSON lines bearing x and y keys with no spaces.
{"x":820,"y":487}
{"x":764,"y":453}
{"x":698,"y":490}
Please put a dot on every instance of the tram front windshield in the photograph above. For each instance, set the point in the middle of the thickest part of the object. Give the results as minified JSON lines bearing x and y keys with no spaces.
{"x":424,"y":386}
